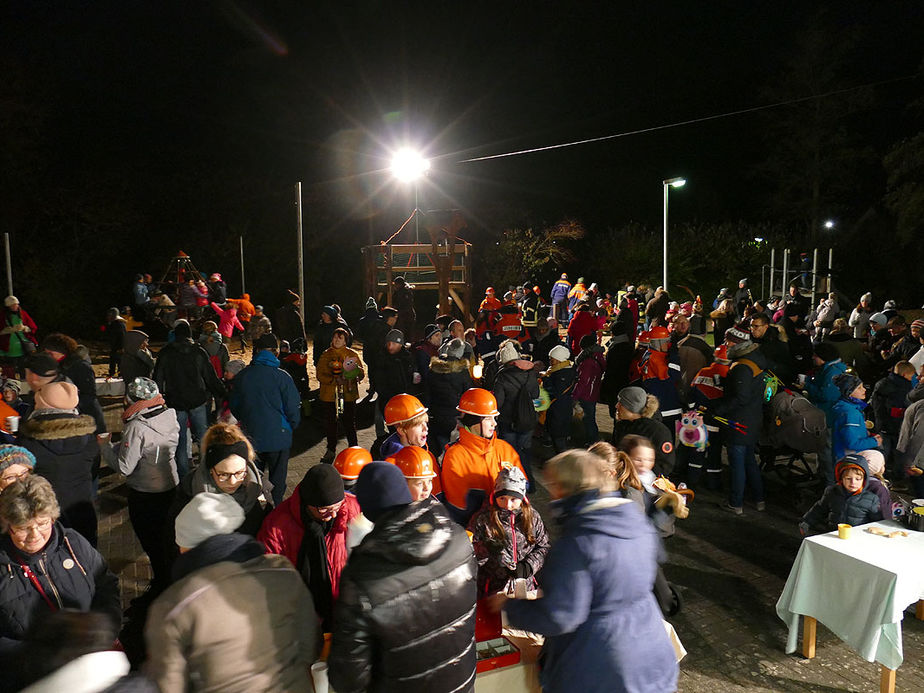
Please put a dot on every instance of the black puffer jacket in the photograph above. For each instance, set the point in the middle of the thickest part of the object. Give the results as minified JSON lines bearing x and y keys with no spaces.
{"x":661,"y":437}
{"x":185,"y":376}
{"x":447,"y":380}
{"x":513,"y":377}
{"x":66,"y":450}
{"x":405,"y":620}
{"x":394,"y":374}
{"x":73,"y":574}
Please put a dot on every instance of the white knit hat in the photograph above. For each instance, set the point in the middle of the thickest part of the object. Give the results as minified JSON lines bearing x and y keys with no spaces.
{"x":507,"y":352}
{"x":560,"y":353}
{"x":207,"y":515}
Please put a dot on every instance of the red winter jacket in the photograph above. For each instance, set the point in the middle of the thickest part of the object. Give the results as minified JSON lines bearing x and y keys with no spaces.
{"x":583,"y":323}
{"x":282,"y":533}
{"x":589,"y":376}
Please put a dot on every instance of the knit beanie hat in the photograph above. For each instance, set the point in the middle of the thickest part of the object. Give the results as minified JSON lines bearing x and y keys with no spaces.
{"x":396,"y":336}
{"x":866,"y":298}
{"x":13,"y":385}
{"x":57,"y":395}
{"x":205,"y":516}
{"x":559,"y":352}
{"x":13,"y":454}
{"x":321,"y":486}
{"x":267,"y":340}
{"x":142,"y":389}
{"x":878,"y":318}
{"x":737,"y":335}
{"x":508,"y":352}
{"x":510,"y":481}
{"x":431,"y":330}
{"x":235,"y":366}
{"x":917,"y":324}
{"x":381,"y":487}
{"x":827,"y":352}
{"x":851,"y":461}
{"x":181,"y":329}
{"x":331,"y":311}
{"x":846,"y":383}
{"x":42,"y":364}
{"x":875,"y":461}
{"x":10,"y":301}
{"x":633,"y":398}
{"x":370,"y":303}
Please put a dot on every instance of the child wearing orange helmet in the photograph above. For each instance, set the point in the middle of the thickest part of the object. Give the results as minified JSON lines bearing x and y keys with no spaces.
{"x":419,"y":469}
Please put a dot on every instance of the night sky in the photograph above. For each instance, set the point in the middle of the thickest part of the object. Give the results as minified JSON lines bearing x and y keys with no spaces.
{"x":181,"y":116}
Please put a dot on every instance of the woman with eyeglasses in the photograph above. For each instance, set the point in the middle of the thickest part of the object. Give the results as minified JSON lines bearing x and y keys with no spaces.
{"x":227,"y":466}
{"x":44,"y":566}
{"x":16,"y":463}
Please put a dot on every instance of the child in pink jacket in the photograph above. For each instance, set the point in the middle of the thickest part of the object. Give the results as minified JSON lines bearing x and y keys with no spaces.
{"x":227,"y":319}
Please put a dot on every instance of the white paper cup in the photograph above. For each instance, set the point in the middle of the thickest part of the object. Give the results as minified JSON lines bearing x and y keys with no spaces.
{"x":319,"y":677}
{"x":12,"y":424}
{"x":917,"y":501}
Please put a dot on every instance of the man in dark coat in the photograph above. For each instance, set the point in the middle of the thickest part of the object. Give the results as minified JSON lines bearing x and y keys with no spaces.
{"x":742,"y":405}
{"x":774,"y":349}
{"x":619,"y":354}
{"x":288,"y":324}
{"x":394,"y":369}
{"x":185,"y":377}
{"x":742,"y":298}
{"x":516,"y":383}
{"x":405,"y":619}
{"x":268,"y":405}
{"x":403,"y":300}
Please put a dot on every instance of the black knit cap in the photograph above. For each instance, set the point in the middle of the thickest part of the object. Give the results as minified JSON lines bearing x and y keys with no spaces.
{"x":42,"y":364}
{"x":321,"y":486}
{"x":827,"y":352}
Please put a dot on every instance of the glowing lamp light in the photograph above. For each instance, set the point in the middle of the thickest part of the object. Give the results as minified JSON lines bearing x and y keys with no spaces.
{"x":477,"y":371}
{"x":408,"y":165}
{"x":677,"y":182}
{"x":758,"y":239}
{"x":829,"y":224}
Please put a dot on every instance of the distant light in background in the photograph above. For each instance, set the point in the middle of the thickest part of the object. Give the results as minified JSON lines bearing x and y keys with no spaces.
{"x":758,"y":239}
{"x":678,"y":182}
{"x":829,"y":224}
{"x":408,"y":165}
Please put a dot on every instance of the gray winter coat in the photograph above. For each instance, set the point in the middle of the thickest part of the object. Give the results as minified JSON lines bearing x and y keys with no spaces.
{"x":146,"y":455}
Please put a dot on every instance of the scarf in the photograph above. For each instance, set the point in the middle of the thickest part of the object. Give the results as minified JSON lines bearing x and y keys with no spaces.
{"x":135,"y":407}
{"x":312,"y":565}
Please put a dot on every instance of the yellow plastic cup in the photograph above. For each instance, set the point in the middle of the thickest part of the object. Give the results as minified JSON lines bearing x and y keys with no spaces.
{"x":843,"y":531}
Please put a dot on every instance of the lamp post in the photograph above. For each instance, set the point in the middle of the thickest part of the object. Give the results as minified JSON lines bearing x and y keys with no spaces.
{"x":408,"y":166}
{"x":669,"y":183}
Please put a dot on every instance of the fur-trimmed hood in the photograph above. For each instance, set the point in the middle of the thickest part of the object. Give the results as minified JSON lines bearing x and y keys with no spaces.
{"x":445,"y":365}
{"x":58,"y":426}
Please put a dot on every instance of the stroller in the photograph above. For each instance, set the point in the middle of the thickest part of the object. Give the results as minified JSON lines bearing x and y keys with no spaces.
{"x":793,"y":427}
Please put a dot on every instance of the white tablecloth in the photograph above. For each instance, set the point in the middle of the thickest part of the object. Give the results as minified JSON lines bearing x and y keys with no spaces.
{"x":858,"y":588}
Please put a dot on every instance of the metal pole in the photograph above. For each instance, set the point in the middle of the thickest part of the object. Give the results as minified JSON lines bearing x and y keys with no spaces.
{"x":243,"y":285}
{"x":772,"y":265}
{"x":814,"y":275}
{"x":9,"y":265}
{"x":664,"y":274}
{"x":763,"y":274}
{"x":300,"y":289}
{"x":830,"y":269}
{"x":785,"y":268}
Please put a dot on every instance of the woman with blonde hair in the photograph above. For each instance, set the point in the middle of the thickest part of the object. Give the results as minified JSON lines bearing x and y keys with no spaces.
{"x":228,"y":465}
{"x":597,"y":604}
{"x":620,"y":468}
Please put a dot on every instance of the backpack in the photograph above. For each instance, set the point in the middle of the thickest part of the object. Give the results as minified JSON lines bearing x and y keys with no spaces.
{"x":526,"y":417}
{"x":790,"y":420}
{"x":771,"y":382}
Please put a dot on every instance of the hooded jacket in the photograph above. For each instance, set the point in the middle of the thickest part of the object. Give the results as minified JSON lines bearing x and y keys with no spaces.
{"x":65,"y":449}
{"x":405,"y":620}
{"x":838,"y":506}
{"x":512,"y":378}
{"x":146,"y":455}
{"x":598,"y":606}
{"x":136,"y":362}
{"x":590,"y":367}
{"x":849,"y":433}
{"x":266,"y":402}
{"x":283,"y":529}
{"x":227,"y":320}
{"x":237,"y":621}
{"x":73,"y":574}
{"x":888,"y":403}
{"x":185,"y":376}
{"x":448,"y":379}
{"x":469,"y":468}
{"x":821,"y":390}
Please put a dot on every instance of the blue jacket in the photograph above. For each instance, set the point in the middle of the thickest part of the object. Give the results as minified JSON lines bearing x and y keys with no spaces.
{"x":822,"y":392}
{"x":266,"y":402}
{"x":602,"y":626}
{"x":560,"y":291}
{"x":848,"y":432}
{"x":837,"y":506}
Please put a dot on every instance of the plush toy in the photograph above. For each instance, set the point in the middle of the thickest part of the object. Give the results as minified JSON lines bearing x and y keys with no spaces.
{"x":351,"y":368}
{"x":673,"y":497}
{"x":691,"y":430}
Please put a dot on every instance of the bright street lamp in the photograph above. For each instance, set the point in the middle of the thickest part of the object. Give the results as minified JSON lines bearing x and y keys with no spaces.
{"x":669,"y":183}
{"x":408,"y":166}
{"x":829,"y":224}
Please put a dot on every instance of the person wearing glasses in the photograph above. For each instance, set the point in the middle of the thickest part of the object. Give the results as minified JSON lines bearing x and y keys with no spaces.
{"x":46,"y":567}
{"x":16,"y":464}
{"x":228,"y":466}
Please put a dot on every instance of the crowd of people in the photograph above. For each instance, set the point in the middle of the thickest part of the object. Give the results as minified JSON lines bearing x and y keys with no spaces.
{"x":371,"y":546}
